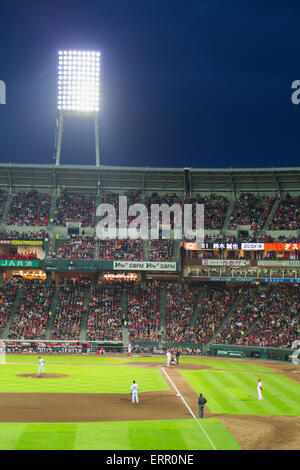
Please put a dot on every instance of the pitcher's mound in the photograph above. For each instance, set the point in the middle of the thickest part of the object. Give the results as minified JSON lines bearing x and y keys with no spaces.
{"x":43,"y":376}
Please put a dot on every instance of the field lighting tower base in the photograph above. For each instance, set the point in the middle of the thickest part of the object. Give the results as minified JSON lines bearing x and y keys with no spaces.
{"x":60,"y":130}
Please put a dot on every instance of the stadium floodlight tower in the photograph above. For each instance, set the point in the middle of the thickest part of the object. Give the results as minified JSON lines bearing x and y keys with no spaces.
{"x":78,"y":92}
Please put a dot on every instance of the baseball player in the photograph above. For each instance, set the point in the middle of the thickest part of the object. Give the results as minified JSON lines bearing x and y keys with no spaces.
{"x":129,"y":349}
{"x":134,"y":392}
{"x":259,"y":389}
{"x":41,"y":365}
{"x":168,"y":354}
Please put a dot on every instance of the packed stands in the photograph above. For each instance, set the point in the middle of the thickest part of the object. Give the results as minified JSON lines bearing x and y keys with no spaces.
{"x":29,"y":208}
{"x":15,"y":235}
{"x":75,"y":247}
{"x":213,"y":307}
{"x":7,"y":297}
{"x":215,"y":210}
{"x":3,"y":197}
{"x":264,"y":318}
{"x":18,"y":256}
{"x":75,"y":207}
{"x":67,"y":319}
{"x":119,"y":249}
{"x":31,"y":318}
{"x":181,"y":305}
{"x":251,"y":209}
{"x":143,"y":312}
{"x":104,"y":317}
{"x":161,"y":250}
{"x":287,"y":215}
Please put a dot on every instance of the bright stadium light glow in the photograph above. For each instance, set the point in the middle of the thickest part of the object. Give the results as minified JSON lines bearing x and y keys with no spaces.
{"x":78,"y":81}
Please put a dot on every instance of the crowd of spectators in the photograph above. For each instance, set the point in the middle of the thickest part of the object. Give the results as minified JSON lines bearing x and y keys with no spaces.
{"x":75,"y":207}
{"x":180,"y":308}
{"x":278,"y":325}
{"x":67,"y":319}
{"x":76,"y":247}
{"x":213,"y":307}
{"x":29,"y":208}
{"x":215,"y":210}
{"x":121,"y":249}
{"x":251,"y":209}
{"x":161,"y":250}
{"x":104,"y":316}
{"x":15,"y":235}
{"x":267,"y":318}
{"x":251,"y":306}
{"x":133,"y":197}
{"x":32,"y":315}
{"x":18,"y":256}
{"x":7,"y":296}
{"x":3,"y":197}
{"x":143,"y":312}
{"x":287,"y":215}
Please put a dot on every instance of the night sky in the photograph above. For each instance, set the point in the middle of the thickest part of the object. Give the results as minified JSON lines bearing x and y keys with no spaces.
{"x":198,"y":84}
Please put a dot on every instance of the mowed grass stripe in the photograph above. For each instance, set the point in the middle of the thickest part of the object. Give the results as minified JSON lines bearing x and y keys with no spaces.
{"x":63,"y":359}
{"x":116,"y":379}
{"x":210,"y":383}
{"x":284,"y":392}
{"x":129,"y":435}
{"x":222,"y":389}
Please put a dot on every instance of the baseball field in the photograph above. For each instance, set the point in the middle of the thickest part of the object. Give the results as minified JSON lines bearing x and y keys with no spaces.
{"x":83,"y":403}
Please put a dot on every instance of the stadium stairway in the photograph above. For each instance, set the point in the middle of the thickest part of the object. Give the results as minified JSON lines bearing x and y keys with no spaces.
{"x":197,"y":309}
{"x":53,"y":307}
{"x":15,"y":306}
{"x":85,"y":314}
{"x":227,"y":218}
{"x":163,"y":308}
{"x":270,"y":217}
{"x":52,"y":207}
{"x":146,"y":249}
{"x":227,"y":318}
{"x":125,"y":330}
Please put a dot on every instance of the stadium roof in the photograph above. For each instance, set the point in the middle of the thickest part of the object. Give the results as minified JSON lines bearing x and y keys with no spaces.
{"x":91,"y":178}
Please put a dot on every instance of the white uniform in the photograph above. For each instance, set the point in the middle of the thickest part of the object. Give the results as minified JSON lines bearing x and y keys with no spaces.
{"x":129,"y":348}
{"x":168,"y":358}
{"x":41,"y":365}
{"x":259,"y":390}
{"x":134,"y":392}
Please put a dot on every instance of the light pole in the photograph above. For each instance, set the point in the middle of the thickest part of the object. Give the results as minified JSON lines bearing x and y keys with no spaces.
{"x":78,"y":90}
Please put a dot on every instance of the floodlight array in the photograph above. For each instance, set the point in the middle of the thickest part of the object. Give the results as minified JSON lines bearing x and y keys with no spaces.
{"x":78,"y":81}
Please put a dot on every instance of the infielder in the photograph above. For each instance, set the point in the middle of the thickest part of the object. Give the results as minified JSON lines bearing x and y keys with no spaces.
{"x":168,"y":354}
{"x":259,"y":389}
{"x":134,"y":392}
{"x":41,"y":365}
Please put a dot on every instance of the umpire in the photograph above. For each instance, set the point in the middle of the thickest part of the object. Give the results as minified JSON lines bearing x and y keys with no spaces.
{"x":201,"y":403}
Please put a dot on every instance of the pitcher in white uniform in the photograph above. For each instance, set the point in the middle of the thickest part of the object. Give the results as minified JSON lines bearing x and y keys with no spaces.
{"x":134,"y":392}
{"x":41,"y":365}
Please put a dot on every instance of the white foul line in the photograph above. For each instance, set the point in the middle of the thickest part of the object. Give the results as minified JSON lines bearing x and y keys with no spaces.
{"x":197,"y":421}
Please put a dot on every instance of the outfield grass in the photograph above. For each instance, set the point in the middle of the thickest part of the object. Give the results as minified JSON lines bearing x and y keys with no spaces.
{"x":62,"y":359}
{"x":182,"y":434}
{"x":234,"y":392}
{"x":81,"y":379}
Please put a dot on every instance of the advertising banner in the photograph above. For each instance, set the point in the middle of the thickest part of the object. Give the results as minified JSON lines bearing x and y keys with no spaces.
{"x":226,"y":262}
{"x":144,"y":266}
